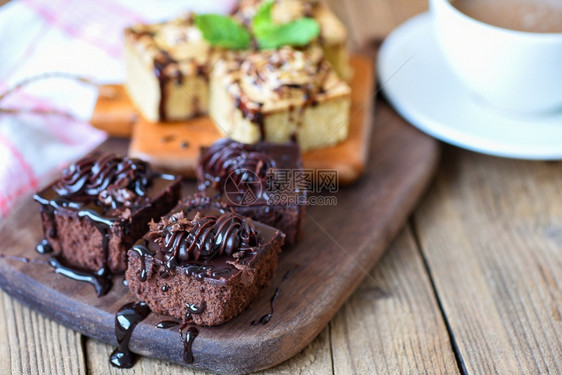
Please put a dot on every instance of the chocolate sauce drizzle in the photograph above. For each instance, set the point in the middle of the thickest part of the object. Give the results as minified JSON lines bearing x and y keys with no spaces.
{"x":22,"y":259}
{"x":197,"y":271}
{"x":228,"y":161}
{"x":168,"y":69}
{"x":48,"y":210}
{"x":165,"y":324}
{"x":192,"y":309}
{"x":187,"y":337}
{"x":126,"y":320}
{"x":44,"y":247}
{"x":267,"y":317}
{"x":165,"y":69}
{"x":141,"y":248}
{"x":100,"y":280}
{"x":254,"y":115}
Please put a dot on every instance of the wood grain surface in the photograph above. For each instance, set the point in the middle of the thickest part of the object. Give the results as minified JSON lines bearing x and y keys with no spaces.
{"x":491,"y":260}
{"x":392,"y":324}
{"x":34,"y":344}
{"x":491,"y":230}
{"x":342,"y":241}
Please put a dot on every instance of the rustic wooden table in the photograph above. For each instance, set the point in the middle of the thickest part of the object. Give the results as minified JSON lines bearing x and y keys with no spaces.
{"x":471,"y":285}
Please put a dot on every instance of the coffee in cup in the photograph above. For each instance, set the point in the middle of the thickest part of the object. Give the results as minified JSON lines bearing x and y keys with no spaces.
{"x":539,"y":16}
{"x":519,"y":71}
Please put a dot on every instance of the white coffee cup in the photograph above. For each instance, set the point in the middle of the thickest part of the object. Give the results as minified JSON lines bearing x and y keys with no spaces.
{"x":515,"y":70}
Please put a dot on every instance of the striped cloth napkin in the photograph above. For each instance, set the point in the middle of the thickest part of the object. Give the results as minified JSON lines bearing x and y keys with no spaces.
{"x":44,"y":124}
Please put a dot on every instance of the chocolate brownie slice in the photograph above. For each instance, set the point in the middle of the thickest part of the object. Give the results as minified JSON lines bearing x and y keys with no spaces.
{"x":100,"y":207}
{"x":203,"y":263}
{"x":257,"y":181}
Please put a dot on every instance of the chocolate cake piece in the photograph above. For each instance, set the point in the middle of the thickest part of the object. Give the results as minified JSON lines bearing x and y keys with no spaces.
{"x":203,"y":263}
{"x":257,"y":181}
{"x":100,"y":207}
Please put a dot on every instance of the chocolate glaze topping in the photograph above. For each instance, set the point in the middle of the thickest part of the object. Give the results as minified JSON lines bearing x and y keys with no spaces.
{"x":182,"y":240}
{"x":237,"y":162}
{"x":112,"y":179}
{"x":201,"y":228}
{"x":205,"y":238}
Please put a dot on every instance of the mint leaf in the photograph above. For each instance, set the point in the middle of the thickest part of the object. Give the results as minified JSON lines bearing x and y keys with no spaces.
{"x":297,"y":33}
{"x":262,"y":19}
{"x":223,"y":31}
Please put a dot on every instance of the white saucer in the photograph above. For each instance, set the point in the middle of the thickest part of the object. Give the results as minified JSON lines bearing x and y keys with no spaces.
{"x":418,"y":82}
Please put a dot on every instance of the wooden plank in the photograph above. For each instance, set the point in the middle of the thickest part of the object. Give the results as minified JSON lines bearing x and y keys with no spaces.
{"x":114,"y":113}
{"x":392,"y":324}
{"x":491,"y":230}
{"x":33,"y":344}
{"x":314,"y":359}
{"x":402,"y":162}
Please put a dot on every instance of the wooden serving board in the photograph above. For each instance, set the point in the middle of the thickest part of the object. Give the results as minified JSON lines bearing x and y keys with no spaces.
{"x":174,"y":146}
{"x":341,"y":244}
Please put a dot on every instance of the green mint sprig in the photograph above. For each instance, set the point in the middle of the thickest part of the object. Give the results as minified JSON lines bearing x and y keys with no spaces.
{"x":271,"y":35}
{"x":262,"y":20}
{"x":223,"y":31}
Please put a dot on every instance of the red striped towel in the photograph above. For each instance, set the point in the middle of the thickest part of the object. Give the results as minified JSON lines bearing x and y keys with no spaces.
{"x":80,"y":37}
